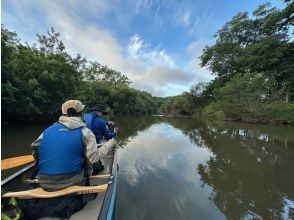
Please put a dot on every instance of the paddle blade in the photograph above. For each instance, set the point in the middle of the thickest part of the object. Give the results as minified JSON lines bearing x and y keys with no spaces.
{"x":16,"y":161}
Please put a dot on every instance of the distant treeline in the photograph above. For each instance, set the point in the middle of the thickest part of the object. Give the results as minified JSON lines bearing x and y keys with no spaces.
{"x":253,"y":60}
{"x":37,"y":79}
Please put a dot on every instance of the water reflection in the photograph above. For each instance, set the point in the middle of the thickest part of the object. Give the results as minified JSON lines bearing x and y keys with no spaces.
{"x":251,"y":172}
{"x":157,"y":177}
{"x":129,"y":127}
{"x":194,"y":169}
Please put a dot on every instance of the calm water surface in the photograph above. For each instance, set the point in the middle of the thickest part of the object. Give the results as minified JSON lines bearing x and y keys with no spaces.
{"x":194,"y":169}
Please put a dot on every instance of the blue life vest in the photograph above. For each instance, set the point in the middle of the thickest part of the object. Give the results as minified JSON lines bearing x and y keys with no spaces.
{"x":89,"y":120}
{"x":98,"y":126}
{"x":61,"y":150}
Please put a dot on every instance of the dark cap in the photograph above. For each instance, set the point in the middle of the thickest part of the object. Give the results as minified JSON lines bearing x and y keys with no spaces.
{"x":99,"y":108}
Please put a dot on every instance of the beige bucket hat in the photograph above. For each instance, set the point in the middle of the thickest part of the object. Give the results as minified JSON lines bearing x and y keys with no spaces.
{"x":75,"y":104}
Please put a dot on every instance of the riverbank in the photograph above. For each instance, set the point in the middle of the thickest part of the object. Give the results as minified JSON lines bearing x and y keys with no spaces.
{"x":272,"y":113}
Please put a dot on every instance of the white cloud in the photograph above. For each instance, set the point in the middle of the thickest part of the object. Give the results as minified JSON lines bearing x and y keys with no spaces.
{"x":194,"y":49}
{"x":153,"y":69}
{"x":186,"y":18}
{"x":183,"y":16}
{"x":141,"y":52}
{"x":149,"y":67}
{"x":141,"y":5}
{"x":134,"y":46}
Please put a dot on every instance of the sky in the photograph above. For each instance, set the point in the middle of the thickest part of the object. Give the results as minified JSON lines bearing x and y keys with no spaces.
{"x":155,"y":43}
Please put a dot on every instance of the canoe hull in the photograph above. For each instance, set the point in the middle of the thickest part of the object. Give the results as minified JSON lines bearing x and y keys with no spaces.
{"x":99,"y":206}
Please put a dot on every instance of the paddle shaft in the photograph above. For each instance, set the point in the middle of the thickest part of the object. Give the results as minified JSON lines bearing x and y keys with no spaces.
{"x":16,"y":162}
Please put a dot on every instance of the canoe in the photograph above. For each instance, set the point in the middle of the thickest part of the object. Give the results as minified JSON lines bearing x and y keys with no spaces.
{"x":101,"y":205}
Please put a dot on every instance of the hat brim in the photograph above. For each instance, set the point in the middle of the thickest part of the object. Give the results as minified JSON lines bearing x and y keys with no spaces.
{"x":97,"y":109}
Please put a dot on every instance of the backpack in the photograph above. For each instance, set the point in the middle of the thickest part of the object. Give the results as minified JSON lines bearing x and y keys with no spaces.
{"x":10,"y":210}
{"x":62,"y":207}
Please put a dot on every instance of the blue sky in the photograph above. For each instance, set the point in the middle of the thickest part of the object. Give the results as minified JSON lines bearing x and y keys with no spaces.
{"x":156,"y":43}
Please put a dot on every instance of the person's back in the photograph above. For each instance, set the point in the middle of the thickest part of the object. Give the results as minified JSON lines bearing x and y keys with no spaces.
{"x":61,"y":150}
{"x":91,"y":119}
{"x":66,"y":150}
{"x":98,"y":125}
{"x":65,"y":153}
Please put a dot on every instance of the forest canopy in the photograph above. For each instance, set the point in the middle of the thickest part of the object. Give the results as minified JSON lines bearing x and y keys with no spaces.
{"x":253,"y":60}
{"x":37,"y":79}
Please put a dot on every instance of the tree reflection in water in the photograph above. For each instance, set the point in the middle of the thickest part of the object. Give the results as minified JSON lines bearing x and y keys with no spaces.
{"x":251,"y":172}
{"x":129,"y":127}
{"x":245,"y":170}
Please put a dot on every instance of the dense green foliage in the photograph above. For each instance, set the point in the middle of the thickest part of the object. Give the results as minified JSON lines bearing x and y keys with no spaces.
{"x":37,"y":79}
{"x":253,"y":60}
{"x":250,"y":98}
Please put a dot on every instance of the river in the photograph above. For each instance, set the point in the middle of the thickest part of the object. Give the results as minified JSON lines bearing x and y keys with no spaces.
{"x":185,"y":168}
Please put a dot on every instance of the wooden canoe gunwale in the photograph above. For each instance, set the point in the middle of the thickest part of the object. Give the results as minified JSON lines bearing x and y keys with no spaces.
{"x":19,"y":172}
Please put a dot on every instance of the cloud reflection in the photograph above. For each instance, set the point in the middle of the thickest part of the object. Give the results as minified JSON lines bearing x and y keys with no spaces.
{"x":158,"y":180}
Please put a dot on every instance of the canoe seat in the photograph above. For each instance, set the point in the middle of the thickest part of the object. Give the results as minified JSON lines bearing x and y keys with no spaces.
{"x":42,"y":194}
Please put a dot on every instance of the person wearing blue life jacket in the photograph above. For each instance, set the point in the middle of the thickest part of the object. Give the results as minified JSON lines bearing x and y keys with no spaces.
{"x":66,"y":151}
{"x":98,"y":125}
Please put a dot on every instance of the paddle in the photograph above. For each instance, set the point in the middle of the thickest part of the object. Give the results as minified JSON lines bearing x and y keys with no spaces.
{"x":18,"y":161}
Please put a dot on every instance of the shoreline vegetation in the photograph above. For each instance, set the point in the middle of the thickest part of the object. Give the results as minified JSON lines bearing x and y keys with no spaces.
{"x":252,"y":59}
{"x":36,"y":79}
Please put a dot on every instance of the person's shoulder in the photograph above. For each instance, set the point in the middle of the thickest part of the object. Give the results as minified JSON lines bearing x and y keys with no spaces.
{"x":51,"y":128}
{"x":86,"y":131}
{"x":54,"y":125}
{"x":99,"y":120}
{"x":88,"y":115}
